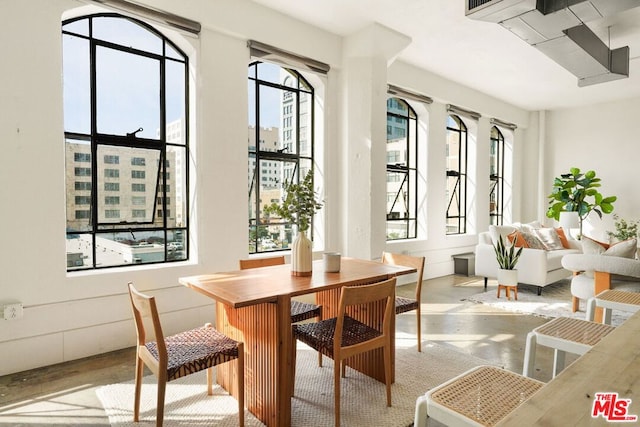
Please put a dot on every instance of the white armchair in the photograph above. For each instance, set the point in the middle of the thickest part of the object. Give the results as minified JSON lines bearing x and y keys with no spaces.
{"x":596,"y":273}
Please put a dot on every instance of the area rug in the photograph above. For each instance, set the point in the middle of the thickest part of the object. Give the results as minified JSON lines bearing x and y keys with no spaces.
{"x":555,"y":301}
{"x":363,"y":399}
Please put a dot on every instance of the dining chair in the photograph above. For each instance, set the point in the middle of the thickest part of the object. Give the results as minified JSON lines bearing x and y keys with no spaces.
{"x":299,"y":310}
{"x":176,"y":356}
{"x":404,"y":305}
{"x":343,"y":336}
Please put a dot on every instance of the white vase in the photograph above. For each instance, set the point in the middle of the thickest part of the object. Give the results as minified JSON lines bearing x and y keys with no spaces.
{"x":301,"y":255}
{"x":507,"y":277}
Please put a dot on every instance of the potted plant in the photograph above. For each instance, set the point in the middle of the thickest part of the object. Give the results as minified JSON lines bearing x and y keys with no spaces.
{"x":507,"y":257}
{"x":577,"y":192}
{"x":298,"y":206}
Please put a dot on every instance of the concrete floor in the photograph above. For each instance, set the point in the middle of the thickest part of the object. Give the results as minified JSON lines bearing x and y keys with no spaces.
{"x":64,"y":394}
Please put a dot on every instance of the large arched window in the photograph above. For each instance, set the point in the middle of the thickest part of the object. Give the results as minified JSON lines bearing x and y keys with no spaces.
{"x":281,"y":115}
{"x":126,"y":143}
{"x":496,"y":177}
{"x":402,"y":176}
{"x":456,"y":175}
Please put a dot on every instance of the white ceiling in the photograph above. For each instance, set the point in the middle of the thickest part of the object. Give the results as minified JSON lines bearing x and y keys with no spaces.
{"x":478,"y":54}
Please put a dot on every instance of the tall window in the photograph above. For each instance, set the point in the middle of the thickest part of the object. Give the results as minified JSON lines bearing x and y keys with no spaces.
{"x":456,"y":175}
{"x":280,"y":147}
{"x":402,"y":176}
{"x":496,"y":177}
{"x":125,"y":92}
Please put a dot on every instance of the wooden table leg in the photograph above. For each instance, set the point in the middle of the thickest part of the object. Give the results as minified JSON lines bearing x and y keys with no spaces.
{"x":265,"y":330}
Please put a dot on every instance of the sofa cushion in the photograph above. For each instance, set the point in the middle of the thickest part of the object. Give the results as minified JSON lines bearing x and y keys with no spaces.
{"x":554,"y":258}
{"x":500,"y":230}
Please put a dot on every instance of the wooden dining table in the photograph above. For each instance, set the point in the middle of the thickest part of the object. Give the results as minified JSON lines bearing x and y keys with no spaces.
{"x":254,"y":306}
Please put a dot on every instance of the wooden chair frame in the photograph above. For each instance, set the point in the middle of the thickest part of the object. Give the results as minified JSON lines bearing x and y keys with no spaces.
{"x":418,"y":264}
{"x":145,"y":306}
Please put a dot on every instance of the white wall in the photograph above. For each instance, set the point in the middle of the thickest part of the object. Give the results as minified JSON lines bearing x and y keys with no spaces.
{"x":603,"y":138}
{"x":71,"y":315}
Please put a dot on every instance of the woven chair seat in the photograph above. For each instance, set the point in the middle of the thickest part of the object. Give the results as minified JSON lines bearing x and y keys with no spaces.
{"x":319,"y":335}
{"x":303,"y":311}
{"x":406,"y":304}
{"x":195,"y":350}
{"x":484,"y":395}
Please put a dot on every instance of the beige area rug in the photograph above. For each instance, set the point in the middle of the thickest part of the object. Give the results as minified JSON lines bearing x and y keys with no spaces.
{"x":363,"y":399}
{"x":555,"y":301}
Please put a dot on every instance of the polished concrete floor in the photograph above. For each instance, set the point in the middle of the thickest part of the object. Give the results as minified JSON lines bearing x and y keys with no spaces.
{"x":64,"y":394}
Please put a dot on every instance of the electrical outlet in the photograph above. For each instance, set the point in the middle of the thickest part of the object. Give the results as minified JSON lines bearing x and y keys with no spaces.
{"x":13,"y":311}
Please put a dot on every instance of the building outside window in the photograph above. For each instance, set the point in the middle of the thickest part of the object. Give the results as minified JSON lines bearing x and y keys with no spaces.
{"x":281,"y":103}
{"x":456,"y":166}
{"x":496,"y":177}
{"x":125,"y":91}
{"x":402,"y":174}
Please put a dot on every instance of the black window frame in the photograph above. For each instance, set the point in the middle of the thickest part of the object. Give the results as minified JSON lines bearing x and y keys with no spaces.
{"x":456,"y":214}
{"x":496,"y":176}
{"x":170,"y":53}
{"x":261,"y":224}
{"x":407,"y":191}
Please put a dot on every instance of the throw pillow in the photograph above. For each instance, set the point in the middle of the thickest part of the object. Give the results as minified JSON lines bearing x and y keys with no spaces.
{"x":563,"y":238}
{"x":549,"y":238}
{"x":517,"y":240}
{"x":593,"y":247}
{"x":625,"y":249}
{"x":532,"y":240}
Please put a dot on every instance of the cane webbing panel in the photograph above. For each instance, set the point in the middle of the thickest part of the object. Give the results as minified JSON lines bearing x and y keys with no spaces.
{"x":405,"y":304}
{"x":319,"y":335}
{"x":195,"y":350}
{"x":622,"y":297}
{"x":485,"y":395}
{"x":575,"y":330}
{"x":303,"y":311}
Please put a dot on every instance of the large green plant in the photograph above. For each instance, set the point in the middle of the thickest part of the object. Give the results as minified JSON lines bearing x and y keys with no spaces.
{"x":507,"y":256}
{"x":577,"y":192}
{"x":298,"y":204}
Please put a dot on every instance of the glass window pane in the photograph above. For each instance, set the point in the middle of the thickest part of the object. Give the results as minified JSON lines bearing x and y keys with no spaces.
{"x":79,"y":251}
{"x":128,"y":93}
{"x":126,"y":33}
{"x":130,"y":247}
{"x":135,"y":200}
{"x":81,"y":26}
{"x":175,"y":96}
{"x":270,"y":72}
{"x":176,"y":245}
{"x":176,"y":189}
{"x":79,"y":184}
{"x":305,"y":124}
{"x":76,"y":85}
{"x":170,"y":52}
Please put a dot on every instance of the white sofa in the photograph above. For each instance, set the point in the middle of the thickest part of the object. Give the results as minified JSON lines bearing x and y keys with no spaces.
{"x":538,"y":267}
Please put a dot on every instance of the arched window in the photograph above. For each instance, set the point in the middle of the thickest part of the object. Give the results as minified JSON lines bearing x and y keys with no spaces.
{"x":281,"y":106}
{"x":496,"y":177}
{"x":456,"y":175}
{"x":402,"y":176}
{"x":126,"y":143}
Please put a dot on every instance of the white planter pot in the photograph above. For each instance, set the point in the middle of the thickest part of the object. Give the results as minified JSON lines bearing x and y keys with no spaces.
{"x":507,"y":277}
{"x":301,"y":256}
